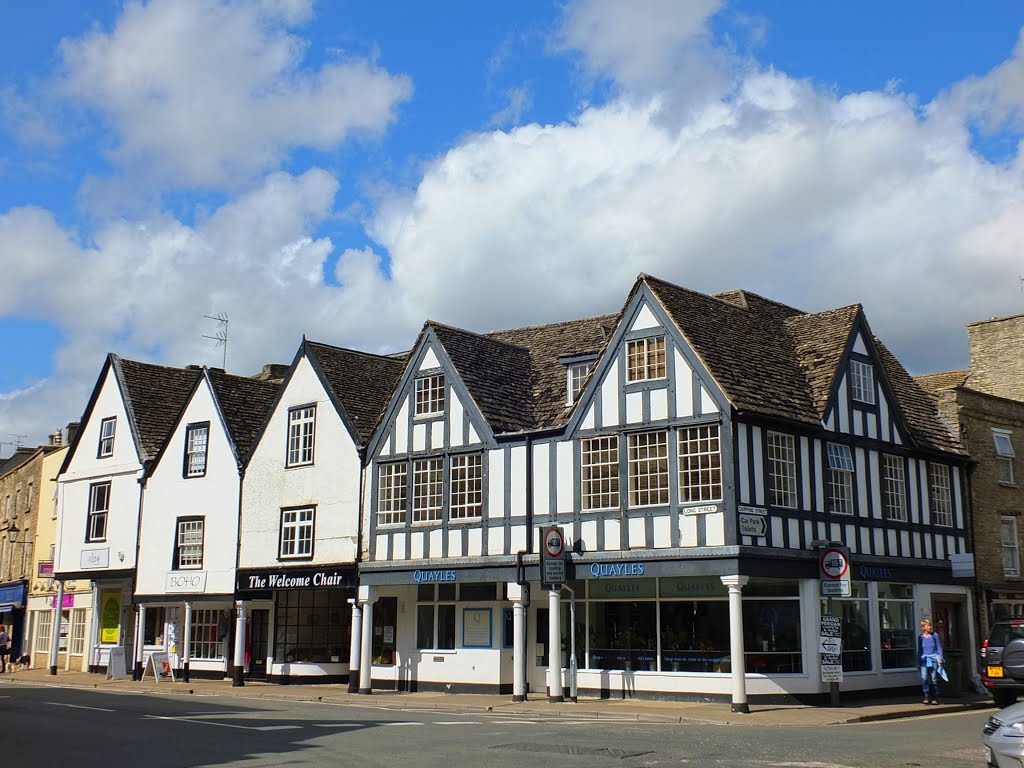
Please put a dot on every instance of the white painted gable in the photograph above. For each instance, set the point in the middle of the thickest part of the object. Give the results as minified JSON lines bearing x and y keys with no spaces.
{"x":170,"y":495}
{"x":429,"y":361}
{"x":645,"y":319}
{"x":859,"y":346}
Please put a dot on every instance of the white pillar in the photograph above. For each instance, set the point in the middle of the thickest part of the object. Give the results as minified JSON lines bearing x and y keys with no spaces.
{"x":94,"y":628}
{"x":55,"y":628}
{"x":140,"y":636}
{"x":186,"y":642}
{"x":365,"y":662}
{"x":238,"y":676}
{"x":739,"y":662}
{"x":355,"y":647}
{"x":519,"y":651}
{"x":554,"y":648}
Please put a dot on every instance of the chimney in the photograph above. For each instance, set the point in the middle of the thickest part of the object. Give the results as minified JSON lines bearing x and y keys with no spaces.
{"x":56,"y":438}
{"x":272,"y":372}
{"x":997,"y":366}
{"x":72,"y":430}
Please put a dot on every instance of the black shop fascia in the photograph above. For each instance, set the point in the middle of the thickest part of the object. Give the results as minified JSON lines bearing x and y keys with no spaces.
{"x":256,"y":583}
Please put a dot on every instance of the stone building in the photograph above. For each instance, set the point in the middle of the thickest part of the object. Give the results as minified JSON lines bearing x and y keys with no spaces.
{"x":986,"y":404}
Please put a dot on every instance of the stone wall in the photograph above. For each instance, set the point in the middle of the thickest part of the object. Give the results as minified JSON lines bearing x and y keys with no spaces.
{"x":997,"y":356}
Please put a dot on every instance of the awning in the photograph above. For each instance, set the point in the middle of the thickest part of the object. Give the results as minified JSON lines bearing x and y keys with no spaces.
{"x":8,"y":607}
{"x":12,"y":596}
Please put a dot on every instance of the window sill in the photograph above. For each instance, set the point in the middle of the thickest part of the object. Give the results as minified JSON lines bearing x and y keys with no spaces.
{"x":295,"y":559}
{"x":1007,"y":484}
{"x":432,"y":416}
{"x":299,"y":466}
{"x":466,"y":520}
{"x":426,"y":523}
{"x":437,"y":651}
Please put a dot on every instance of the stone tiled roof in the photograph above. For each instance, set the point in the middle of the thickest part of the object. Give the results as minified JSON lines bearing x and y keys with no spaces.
{"x":154,"y":396}
{"x":934,"y":383}
{"x":361,"y":382}
{"x":820,"y":340}
{"x":545,"y":345}
{"x":245,"y":402}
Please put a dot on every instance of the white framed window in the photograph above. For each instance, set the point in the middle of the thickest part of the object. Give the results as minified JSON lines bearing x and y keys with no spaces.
{"x":1011,"y":547}
{"x":466,"y":486}
{"x":301,"y":430}
{"x":648,"y":469}
{"x":862,"y":381}
{"x":940,"y":497}
{"x":44,"y":631}
{"x":430,"y":395}
{"x":209,"y":628}
{"x":645,"y":359}
{"x":188,"y":550}
{"x":391,"y":493}
{"x":599,"y":472}
{"x":77,"y":632}
{"x":700,"y":464}
{"x":99,"y":507}
{"x":297,"y":533}
{"x":782,"y":470}
{"x":1004,"y":455}
{"x":575,"y":374}
{"x":435,"y":617}
{"x":427,"y":490}
{"x":196,"y":438}
{"x":840,"y":478}
{"x":894,"y":488}
{"x":106,"y":445}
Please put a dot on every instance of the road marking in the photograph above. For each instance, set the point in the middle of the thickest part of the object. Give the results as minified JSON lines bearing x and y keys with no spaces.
{"x":457,"y":722}
{"x":79,"y":706}
{"x":403,"y":722}
{"x":226,"y":725}
{"x":338,"y":725}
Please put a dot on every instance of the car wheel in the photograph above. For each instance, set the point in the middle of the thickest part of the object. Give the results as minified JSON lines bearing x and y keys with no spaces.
{"x":1004,"y":699}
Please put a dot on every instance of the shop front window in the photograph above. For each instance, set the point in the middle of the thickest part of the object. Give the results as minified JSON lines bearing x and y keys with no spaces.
{"x":312,"y":626}
{"x":44,"y":622}
{"x":435,"y":619}
{"x":209,"y":629}
{"x":385,"y":615}
{"x":154,"y":632}
{"x":771,"y":627}
{"x":694,"y":635}
{"x":896,"y":626}
{"x":854,"y":612}
{"x":623,"y":633}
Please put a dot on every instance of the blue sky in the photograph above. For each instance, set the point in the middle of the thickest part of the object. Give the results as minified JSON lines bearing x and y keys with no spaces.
{"x":348,"y":170}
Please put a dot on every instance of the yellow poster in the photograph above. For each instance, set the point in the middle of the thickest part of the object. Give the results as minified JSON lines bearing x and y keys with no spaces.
{"x":110,"y":617}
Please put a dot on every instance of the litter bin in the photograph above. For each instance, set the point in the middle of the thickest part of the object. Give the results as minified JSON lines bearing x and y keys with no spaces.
{"x":953,"y":687}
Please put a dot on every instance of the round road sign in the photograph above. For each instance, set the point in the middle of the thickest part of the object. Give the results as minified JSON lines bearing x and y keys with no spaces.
{"x":834,"y":563}
{"x":554,"y":544}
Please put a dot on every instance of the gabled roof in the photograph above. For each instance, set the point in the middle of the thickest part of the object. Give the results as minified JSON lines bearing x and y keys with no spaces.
{"x":936,"y":383}
{"x":244,"y":401}
{"x":153,"y":397}
{"x":820,"y":340}
{"x":360,"y":383}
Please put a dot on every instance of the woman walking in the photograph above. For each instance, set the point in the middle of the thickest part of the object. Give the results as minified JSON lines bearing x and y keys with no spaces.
{"x":929,"y":650}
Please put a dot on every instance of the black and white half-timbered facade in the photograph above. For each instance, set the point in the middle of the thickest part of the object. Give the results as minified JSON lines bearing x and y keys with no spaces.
{"x":698,"y":452}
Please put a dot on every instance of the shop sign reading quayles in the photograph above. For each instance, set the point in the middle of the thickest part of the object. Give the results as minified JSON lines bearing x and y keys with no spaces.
{"x":604,"y":570}
{"x":432,"y":577}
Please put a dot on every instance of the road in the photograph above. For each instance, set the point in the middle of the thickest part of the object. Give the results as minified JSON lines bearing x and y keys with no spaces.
{"x":50,"y":725}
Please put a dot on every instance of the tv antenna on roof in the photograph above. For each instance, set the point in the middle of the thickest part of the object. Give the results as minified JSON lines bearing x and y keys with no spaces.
{"x":17,"y":439}
{"x":221,"y":337}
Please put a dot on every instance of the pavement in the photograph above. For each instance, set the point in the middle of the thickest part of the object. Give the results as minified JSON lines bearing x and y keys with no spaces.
{"x":642,"y":710}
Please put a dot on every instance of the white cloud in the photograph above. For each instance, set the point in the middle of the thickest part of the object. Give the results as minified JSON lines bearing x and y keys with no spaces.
{"x":208,"y":93}
{"x":640,"y":44}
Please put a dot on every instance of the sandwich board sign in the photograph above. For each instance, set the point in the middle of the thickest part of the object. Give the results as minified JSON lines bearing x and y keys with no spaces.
{"x":115,"y":664}
{"x":552,"y":556}
{"x":161,"y":667}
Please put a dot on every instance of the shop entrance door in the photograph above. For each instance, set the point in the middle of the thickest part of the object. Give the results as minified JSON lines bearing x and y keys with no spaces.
{"x":259,"y":628}
{"x":947,"y":617}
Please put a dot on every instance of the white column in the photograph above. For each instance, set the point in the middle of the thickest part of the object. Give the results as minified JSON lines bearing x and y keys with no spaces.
{"x":140,"y":636}
{"x":365,"y":662}
{"x":355,"y":647}
{"x":517,"y":593}
{"x":94,"y":628}
{"x":739,"y":662}
{"x":238,"y":676}
{"x":554,"y":648}
{"x":186,"y":642}
{"x":55,"y":628}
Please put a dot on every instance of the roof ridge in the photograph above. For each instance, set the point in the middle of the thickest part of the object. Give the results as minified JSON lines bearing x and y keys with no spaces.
{"x":713,"y":297}
{"x":483,"y":336}
{"x":335,"y":347}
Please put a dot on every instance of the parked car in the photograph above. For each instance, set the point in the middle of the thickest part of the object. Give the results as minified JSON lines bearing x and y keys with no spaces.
{"x":1004,"y":737}
{"x":1002,"y":661}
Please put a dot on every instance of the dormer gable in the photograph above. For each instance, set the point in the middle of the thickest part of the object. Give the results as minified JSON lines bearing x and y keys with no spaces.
{"x":432,"y":404}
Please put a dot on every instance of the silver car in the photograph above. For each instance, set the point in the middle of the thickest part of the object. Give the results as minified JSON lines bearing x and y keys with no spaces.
{"x":1004,"y":737}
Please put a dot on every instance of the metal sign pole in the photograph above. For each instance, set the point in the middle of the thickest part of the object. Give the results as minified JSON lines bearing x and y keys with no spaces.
{"x":833,"y":687}
{"x":572,"y":643}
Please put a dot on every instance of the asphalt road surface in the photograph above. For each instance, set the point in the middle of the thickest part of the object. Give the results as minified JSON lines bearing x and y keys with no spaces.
{"x":49,"y":726}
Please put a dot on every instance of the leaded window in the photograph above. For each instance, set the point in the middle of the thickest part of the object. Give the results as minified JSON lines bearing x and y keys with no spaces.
{"x":894,"y":488}
{"x":700,"y":464}
{"x":782,"y":470}
{"x":391,"y":493}
{"x":648,"y":469}
{"x":840,"y":479}
{"x":940,"y":496}
{"x":427,"y":490}
{"x":467,"y":486}
{"x":430,"y":395}
{"x":862,"y":382}
{"x":599,"y":471}
{"x":645,"y":359}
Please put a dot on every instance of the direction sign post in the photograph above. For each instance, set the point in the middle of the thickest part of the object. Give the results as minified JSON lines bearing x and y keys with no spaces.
{"x":834,"y":572}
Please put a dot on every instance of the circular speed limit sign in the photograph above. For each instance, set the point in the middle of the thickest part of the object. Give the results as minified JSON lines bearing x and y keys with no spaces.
{"x":554,"y":544}
{"x":834,"y":563}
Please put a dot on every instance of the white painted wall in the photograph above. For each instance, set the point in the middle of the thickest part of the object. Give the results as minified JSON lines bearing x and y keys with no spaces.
{"x":123,"y":469}
{"x":331,"y":482}
{"x":214,"y":497}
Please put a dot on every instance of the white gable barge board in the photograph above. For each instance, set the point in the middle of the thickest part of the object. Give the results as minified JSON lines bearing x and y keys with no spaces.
{"x":214,"y":497}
